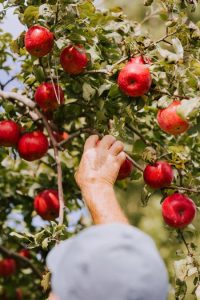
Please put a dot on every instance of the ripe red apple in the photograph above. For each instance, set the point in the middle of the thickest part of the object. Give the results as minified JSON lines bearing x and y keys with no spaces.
{"x":9,"y":133}
{"x":49,"y":96}
{"x":169,"y":121}
{"x":125,"y":169}
{"x":33,"y":145}
{"x":38,"y":41}
{"x":134,"y":79}
{"x":158,"y":175}
{"x":178,"y":210}
{"x":73,"y":59}
{"x":47,"y":205}
{"x":25,"y":253}
{"x":19,"y":294}
{"x":7,"y":267}
{"x":60,"y":136}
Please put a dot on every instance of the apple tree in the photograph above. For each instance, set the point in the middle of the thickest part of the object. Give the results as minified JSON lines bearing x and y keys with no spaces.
{"x":86,"y":71}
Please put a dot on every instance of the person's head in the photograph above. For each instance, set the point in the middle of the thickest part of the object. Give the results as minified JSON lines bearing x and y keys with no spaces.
{"x":108,"y":262}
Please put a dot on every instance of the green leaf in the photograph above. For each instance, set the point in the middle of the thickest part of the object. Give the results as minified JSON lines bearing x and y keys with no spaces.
{"x":31,"y":14}
{"x":188,"y":108}
{"x":172,"y":56}
{"x":88,"y":91}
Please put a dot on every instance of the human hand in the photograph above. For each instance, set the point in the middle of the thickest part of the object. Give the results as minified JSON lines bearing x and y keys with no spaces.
{"x":100,"y":162}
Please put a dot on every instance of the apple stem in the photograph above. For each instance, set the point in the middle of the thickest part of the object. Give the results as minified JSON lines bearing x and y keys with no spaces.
{"x":23,"y":259}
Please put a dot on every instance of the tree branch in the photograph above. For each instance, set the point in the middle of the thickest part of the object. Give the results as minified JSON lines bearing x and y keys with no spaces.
{"x":163,"y":39}
{"x":138,"y":134}
{"x":101,"y":71}
{"x":21,"y":98}
{"x":134,"y":163}
{"x":23,"y":259}
{"x":174,"y":187}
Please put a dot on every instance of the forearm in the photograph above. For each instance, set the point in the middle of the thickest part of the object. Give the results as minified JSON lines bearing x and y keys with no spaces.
{"x":102,"y":204}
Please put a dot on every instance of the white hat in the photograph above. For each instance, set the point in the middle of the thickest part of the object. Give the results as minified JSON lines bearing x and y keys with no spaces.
{"x":108,"y":262}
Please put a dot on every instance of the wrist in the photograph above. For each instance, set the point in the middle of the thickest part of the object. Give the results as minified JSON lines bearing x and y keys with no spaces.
{"x":96,"y":186}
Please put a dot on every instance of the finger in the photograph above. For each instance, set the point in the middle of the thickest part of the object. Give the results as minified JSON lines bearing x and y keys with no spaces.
{"x":106,"y":142}
{"x":91,"y":142}
{"x":116,"y":148}
{"x":121,"y":157}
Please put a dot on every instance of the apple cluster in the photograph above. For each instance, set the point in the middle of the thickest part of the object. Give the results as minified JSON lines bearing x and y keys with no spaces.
{"x":30,"y":145}
{"x":177,"y":209}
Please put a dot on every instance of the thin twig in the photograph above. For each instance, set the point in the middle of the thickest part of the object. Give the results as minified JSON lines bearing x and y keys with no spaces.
{"x":163,"y":39}
{"x":138,"y":134}
{"x":190,"y":253}
{"x":150,"y":16}
{"x":172,"y":96}
{"x":100,"y":71}
{"x":23,"y":259}
{"x":57,"y":12}
{"x":3,"y":85}
{"x":76,"y":134}
{"x":119,"y":62}
{"x":174,"y":187}
{"x":134,"y":163}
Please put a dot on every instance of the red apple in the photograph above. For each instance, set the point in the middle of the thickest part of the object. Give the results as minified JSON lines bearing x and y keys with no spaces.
{"x":39,"y":41}
{"x":73,"y":59}
{"x":33,"y":145}
{"x":19,"y":294}
{"x":134,"y":79}
{"x":49,"y":96}
{"x":125,"y":169}
{"x":178,"y":210}
{"x":25,"y":253}
{"x":7,"y":267}
{"x":9,"y":133}
{"x":169,"y":121}
{"x":47,"y":205}
{"x":158,"y":175}
{"x":60,"y":136}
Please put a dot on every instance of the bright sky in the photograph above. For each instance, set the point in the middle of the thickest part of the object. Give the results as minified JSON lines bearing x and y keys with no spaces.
{"x":12,"y":25}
